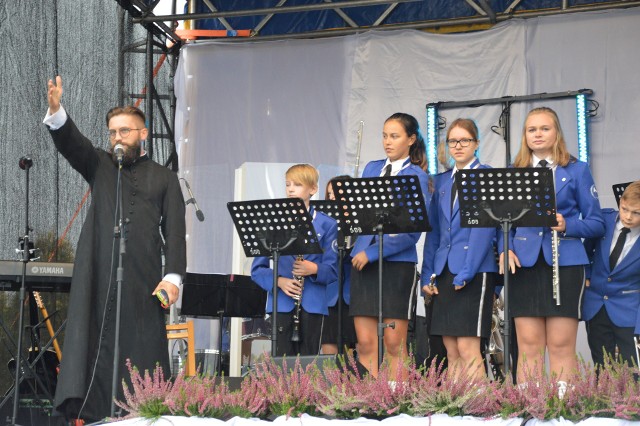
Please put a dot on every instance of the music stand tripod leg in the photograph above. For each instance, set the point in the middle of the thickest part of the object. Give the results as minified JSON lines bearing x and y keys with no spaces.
{"x":381,"y":324}
{"x":506,"y":228}
{"x":339,"y":340}
{"x":274,"y":311}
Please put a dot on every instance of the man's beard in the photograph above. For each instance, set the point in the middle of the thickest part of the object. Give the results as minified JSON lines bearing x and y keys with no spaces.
{"x":131,"y":154}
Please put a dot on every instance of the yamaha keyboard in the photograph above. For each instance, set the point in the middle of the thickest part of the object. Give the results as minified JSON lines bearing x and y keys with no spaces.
{"x":40,"y":276}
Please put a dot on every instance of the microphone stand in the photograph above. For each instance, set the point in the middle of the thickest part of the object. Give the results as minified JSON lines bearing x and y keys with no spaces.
{"x":118,"y":232}
{"x":192,"y":200}
{"x":25,"y":164}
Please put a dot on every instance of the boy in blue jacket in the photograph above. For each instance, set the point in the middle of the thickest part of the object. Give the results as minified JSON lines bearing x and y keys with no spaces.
{"x":612,"y":298}
{"x":317,"y":271}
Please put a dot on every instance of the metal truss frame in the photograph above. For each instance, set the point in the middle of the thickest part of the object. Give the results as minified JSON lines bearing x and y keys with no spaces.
{"x":486,"y":16}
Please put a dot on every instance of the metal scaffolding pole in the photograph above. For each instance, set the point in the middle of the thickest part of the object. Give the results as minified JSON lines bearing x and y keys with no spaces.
{"x":149,"y":94}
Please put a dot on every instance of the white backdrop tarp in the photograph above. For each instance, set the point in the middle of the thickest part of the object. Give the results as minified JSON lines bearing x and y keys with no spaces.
{"x":264,"y":102}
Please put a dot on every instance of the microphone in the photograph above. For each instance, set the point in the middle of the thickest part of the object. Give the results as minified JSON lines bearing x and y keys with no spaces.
{"x":119,"y":151}
{"x":199,"y":213}
{"x":25,"y":162}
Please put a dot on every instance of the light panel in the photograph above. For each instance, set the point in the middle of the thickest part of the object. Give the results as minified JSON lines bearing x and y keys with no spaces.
{"x":583,"y":140}
{"x":432,"y":139}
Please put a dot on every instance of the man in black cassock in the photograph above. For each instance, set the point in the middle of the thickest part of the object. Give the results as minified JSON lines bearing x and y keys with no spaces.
{"x":153,"y":210}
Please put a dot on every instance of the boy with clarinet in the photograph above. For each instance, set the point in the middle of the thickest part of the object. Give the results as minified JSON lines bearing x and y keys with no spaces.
{"x":302,"y":280}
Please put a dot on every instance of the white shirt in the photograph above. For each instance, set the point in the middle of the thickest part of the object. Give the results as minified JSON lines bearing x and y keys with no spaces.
{"x":632,"y":237}
{"x":57,"y":120}
{"x":396,"y":166}
{"x":550,"y":163}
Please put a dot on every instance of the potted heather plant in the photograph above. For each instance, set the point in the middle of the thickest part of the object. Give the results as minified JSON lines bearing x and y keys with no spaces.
{"x":610,"y":391}
{"x":438,"y":392}
{"x":347,"y":394}
{"x":339,"y":391}
{"x":288,"y":392}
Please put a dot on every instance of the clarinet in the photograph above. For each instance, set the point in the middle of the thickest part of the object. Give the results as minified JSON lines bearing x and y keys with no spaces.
{"x":556,"y":266}
{"x":295,"y":332}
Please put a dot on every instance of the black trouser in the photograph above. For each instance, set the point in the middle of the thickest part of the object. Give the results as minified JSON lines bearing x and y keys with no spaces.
{"x":310,"y":334}
{"x":603,"y":336}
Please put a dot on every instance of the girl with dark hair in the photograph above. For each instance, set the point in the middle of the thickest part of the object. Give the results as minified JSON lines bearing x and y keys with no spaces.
{"x":330,"y":329}
{"x":405,"y":152}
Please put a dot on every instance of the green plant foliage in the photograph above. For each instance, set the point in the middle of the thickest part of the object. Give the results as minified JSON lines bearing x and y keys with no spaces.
{"x":50,"y":247}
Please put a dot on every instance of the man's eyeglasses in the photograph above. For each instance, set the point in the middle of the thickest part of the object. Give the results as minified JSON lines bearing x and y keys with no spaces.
{"x":463,"y":142}
{"x":124,"y":132}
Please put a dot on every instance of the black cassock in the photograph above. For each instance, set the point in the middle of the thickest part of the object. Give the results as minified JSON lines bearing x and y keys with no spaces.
{"x":152,"y":203}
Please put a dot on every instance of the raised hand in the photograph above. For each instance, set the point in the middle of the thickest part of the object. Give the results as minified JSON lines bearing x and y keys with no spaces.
{"x":54,"y":93}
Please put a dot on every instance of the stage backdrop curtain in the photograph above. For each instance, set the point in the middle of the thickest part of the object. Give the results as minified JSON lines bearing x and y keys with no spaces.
{"x":259,"y":102}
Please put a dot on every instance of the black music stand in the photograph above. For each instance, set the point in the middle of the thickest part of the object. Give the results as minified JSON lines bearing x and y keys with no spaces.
{"x":618,"y":190}
{"x":332,"y":209}
{"x":375,"y":206}
{"x":219,"y":296}
{"x":271,"y":228}
{"x":511,"y":197}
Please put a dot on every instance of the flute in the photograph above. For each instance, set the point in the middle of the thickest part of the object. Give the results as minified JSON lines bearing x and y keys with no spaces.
{"x":360,"y":130}
{"x":555,"y":241}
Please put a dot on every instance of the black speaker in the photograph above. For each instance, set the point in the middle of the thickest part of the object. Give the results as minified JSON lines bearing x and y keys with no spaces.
{"x":305,"y":360}
{"x":31,"y":415}
{"x":320,"y":360}
{"x":233,"y":383}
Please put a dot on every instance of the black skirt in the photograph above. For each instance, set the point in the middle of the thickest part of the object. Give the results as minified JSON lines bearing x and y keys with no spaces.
{"x":398,"y":281}
{"x":330,"y":328}
{"x":466,"y":312}
{"x":531,"y":291}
